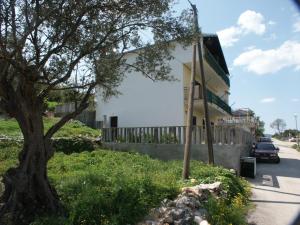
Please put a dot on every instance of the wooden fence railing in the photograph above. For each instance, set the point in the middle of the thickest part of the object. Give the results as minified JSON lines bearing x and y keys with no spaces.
{"x":175,"y":135}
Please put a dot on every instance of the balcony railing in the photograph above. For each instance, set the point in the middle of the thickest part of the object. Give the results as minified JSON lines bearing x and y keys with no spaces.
{"x":249,"y":121}
{"x":216,"y":66}
{"x":211,"y":97}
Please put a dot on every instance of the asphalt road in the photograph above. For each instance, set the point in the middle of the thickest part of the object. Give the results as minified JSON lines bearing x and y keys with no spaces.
{"x":276,"y":189}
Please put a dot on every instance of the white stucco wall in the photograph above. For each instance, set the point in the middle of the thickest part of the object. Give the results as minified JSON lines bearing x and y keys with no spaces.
{"x":147,"y":103}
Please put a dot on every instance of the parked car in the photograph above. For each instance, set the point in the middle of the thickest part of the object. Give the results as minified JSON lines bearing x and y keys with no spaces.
{"x":266,"y":151}
{"x":292,"y":139}
{"x":265,"y":139}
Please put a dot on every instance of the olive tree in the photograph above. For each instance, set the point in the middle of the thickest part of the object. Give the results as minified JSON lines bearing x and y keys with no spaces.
{"x":44,"y":44}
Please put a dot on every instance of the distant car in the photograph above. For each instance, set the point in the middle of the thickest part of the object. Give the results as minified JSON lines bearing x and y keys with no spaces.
{"x":265,"y":139}
{"x":266,"y":151}
{"x":292,"y":139}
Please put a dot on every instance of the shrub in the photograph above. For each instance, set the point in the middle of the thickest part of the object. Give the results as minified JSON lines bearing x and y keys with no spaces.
{"x":295,"y":146}
{"x":73,"y":145}
{"x":50,"y":105}
{"x":220,"y":212}
{"x":169,"y":139}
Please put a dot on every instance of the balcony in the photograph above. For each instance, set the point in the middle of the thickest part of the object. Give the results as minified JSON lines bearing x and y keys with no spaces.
{"x":211,"y":98}
{"x":215,"y":65}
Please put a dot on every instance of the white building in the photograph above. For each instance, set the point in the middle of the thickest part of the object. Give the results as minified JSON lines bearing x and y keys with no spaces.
{"x":144,"y":103}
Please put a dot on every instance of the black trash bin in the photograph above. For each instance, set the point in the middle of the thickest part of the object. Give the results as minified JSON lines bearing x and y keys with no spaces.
{"x":248,"y":167}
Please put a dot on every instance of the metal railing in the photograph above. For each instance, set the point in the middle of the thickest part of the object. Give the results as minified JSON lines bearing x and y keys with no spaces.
{"x":175,"y":135}
{"x":216,"y":66}
{"x":211,"y":97}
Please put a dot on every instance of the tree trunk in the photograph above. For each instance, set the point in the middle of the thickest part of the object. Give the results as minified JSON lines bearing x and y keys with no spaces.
{"x":28,"y":192}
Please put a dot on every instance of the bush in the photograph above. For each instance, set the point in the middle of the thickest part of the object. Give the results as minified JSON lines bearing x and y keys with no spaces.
{"x":73,"y":145}
{"x":50,"y":105}
{"x":295,"y":146}
{"x":220,"y":212}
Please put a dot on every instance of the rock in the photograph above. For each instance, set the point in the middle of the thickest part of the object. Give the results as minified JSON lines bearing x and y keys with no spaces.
{"x":192,"y":190}
{"x":162,"y":210}
{"x":198,"y":220}
{"x":165,"y":202}
{"x":211,"y":187}
{"x":167,"y":219}
{"x":185,"y":201}
{"x":201,"y":213}
{"x":184,"y":221}
{"x":150,"y":222}
{"x":186,"y":208}
{"x":204,"y":222}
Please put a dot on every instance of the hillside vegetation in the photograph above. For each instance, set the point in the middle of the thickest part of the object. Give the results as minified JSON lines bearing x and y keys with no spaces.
{"x":104,"y":187}
{"x":10,"y":128}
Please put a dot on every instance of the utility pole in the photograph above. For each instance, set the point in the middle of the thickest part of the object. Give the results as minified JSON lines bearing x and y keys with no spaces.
{"x":297,"y":136}
{"x":187,"y":147}
{"x":204,"y":93}
{"x":188,"y":134}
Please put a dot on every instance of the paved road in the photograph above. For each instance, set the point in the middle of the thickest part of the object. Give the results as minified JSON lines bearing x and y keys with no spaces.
{"x":276,"y":189}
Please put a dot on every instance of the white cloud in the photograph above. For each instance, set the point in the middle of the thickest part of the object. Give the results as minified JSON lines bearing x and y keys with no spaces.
{"x":268,"y":100}
{"x":295,"y":100}
{"x":251,"y":47}
{"x":272,"y":36}
{"x":251,"y":21}
{"x":271,"y":22}
{"x":296,"y":26}
{"x":248,"y":22}
{"x":270,"y":61}
{"x":229,"y":36}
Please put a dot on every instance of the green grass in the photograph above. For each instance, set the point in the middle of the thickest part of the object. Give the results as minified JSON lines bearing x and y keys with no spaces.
{"x":73,"y":128}
{"x":117,"y":188}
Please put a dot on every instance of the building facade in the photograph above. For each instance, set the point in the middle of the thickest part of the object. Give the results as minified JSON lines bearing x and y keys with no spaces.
{"x":144,"y":103}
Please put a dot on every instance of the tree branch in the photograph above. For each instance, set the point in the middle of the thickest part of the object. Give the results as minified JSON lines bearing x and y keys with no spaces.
{"x":64,"y":41}
{"x":82,"y":106}
{"x":140,"y":70}
{"x":73,"y":87}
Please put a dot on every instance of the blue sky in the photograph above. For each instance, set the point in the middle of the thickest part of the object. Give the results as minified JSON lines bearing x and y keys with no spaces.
{"x":261,"y":44}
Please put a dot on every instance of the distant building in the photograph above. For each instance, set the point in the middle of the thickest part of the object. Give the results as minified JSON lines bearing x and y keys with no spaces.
{"x":87,"y":116}
{"x":243,"y":117}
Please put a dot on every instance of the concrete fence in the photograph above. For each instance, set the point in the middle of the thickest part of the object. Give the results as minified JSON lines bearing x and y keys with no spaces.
{"x":176,"y":135}
{"x":167,"y":143}
{"x":227,"y":156}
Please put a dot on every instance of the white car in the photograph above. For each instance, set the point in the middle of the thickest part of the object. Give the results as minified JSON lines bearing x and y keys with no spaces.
{"x":292,"y":139}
